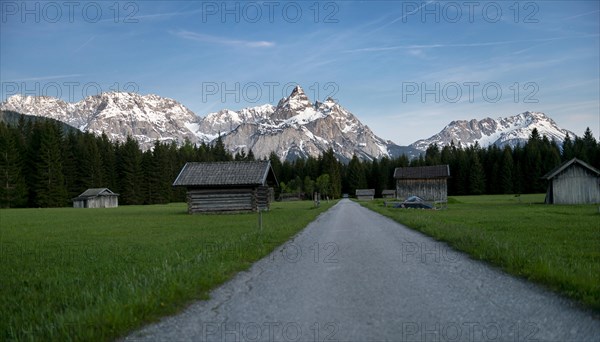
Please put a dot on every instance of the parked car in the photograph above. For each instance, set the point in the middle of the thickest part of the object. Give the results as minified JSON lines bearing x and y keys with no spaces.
{"x":414,"y":202}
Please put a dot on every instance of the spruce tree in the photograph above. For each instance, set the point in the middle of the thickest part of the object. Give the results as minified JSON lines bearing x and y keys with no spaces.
{"x":433,"y":155}
{"x":386,"y":174}
{"x":71,"y":165}
{"x":532,"y":165}
{"x":219,"y":152}
{"x":95,"y":162}
{"x":375,"y":178}
{"x":460,"y":171}
{"x":550,"y":155}
{"x":161,"y":169}
{"x":506,"y":171}
{"x":356,"y":175}
{"x":129,"y":172}
{"x":568,"y":151}
{"x":50,"y":190}
{"x":476,"y":175}
{"x":107,"y":155}
{"x":312,"y":167}
{"x":298,"y":168}
{"x":331,"y":166}
{"x":592,"y":150}
{"x":13,"y":192}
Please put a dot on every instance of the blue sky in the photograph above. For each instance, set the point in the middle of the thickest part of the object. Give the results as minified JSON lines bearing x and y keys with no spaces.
{"x":405,"y":68}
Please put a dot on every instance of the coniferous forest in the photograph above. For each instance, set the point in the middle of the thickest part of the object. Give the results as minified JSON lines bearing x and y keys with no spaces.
{"x":42,"y":164}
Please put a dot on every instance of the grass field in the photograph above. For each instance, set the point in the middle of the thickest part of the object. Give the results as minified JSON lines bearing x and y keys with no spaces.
{"x":555,"y":245}
{"x":76,"y":274}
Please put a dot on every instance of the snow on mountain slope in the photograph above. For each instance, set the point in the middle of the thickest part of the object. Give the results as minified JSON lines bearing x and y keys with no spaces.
{"x":44,"y":106}
{"x":298,"y":128}
{"x":294,"y":128}
{"x":225,"y":121}
{"x":510,"y":131}
{"x":147,"y":118}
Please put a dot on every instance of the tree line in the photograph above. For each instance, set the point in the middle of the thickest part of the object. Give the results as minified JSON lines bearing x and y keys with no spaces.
{"x":44,"y":165}
{"x":474,"y":170}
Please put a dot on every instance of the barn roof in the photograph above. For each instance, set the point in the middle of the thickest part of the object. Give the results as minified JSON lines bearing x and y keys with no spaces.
{"x":95,"y":192}
{"x":422,"y":172}
{"x":365,"y":192}
{"x":567,"y":164}
{"x":234,"y":173}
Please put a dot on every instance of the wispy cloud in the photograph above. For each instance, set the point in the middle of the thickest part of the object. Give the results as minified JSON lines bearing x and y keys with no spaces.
{"x":85,"y":43}
{"x":581,"y":15}
{"x":403,"y":17}
{"x":207,"y":38}
{"x":134,"y":18}
{"x":480,"y":44}
{"x":45,"y":78}
{"x":411,"y":12}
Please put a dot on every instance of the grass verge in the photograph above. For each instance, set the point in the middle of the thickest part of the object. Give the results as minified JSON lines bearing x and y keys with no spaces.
{"x":96,"y":274}
{"x":555,"y":245}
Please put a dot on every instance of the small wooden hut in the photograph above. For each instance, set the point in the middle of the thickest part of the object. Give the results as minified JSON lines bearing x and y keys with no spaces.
{"x":388,"y":194}
{"x":428,"y":182}
{"x":365,"y":194}
{"x":573,"y":182}
{"x":235,"y":186}
{"x":96,"y":198}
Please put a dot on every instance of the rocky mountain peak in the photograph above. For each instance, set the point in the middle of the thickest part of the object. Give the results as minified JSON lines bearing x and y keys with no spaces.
{"x":297,"y":99}
{"x":119,"y":114}
{"x":294,"y":128}
{"x":292,"y":105}
{"x":297,"y":91}
{"x":511,"y":130}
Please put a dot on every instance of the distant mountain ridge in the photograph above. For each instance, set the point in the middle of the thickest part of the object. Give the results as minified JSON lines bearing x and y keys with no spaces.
{"x":510,"y":131}
{"x":294,"y":128}
{"x":147,"y":118}
{"x":297,"y":128}
{"x":13,"y":118}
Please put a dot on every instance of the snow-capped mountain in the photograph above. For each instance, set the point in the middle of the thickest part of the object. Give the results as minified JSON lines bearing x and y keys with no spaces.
{"x":511,"y":131}
{"x":227,"y":120}
{"x":147,"y":118}
{"x":294,"y":128}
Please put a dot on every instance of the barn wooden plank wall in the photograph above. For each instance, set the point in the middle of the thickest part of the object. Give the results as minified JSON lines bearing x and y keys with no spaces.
{"x":575,"y":185}
{"x":97,"y":202}
{"x":388,"y":194}
{"x":434,"y":189}
{"x":240,"y":199}
{"x":212,"y":200}
{"x":263,"y":197}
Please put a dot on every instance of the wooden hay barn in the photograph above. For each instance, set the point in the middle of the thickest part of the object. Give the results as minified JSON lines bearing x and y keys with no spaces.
{"x":235,"y":186}
{"x":388,"y":194}
{"x":365,"y":194}
{"x":96,"y":198}
{"x":573,"y":182}
{"x":428,"y":182}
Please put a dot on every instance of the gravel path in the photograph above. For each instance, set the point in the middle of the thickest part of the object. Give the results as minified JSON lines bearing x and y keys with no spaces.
{"x":354,"y":275}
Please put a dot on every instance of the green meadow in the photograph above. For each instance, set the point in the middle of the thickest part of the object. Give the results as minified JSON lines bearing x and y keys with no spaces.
{"x":76,"y":274}
{"x":96,"y":274}
{"x":555,"y":245}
